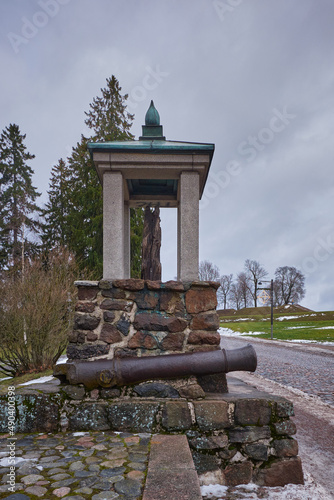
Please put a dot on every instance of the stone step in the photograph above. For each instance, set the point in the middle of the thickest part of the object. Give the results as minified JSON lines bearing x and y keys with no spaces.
{"x":171,"y":471}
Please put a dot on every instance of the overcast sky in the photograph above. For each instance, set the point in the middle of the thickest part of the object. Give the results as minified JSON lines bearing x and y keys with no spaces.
{"x":255,"y":77}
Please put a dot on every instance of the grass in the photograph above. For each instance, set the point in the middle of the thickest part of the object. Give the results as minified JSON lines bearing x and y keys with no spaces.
{"x":318,"y":327}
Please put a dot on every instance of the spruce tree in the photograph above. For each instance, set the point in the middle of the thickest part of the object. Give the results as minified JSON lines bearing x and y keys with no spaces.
{"x":55,"y":228}
{"x":85,"y":210}
{"x":109,"y":121}
{"x":17,"y":199}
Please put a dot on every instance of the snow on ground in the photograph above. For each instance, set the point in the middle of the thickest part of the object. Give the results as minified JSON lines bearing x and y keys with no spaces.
{"x":231,"y":333}
{"x":62,"y":359}
{"x":297,"y":327}
{"x":242,"y":319}
{"x":40,"y":380}
{"x":309,"y":491}
{"x":301,"y":341}
{"x":282,"y":318}
{"x":227,"y":332}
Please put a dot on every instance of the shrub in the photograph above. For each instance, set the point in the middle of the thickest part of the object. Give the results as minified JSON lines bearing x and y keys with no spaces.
{"x":35,"y":313}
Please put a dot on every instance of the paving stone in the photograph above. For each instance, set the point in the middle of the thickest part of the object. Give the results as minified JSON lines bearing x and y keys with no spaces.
{"x":75,"y":497}
{"x":137,"y":466}
{"x":103,"y":484}
{"x":91,"y":460}
{"x":112,"y":472}
{"x":57,"y":470}
{"x":107,"y":495}
{"x":94,"y":468}
{"x":31,"y":479}
{"x":136,"y":475}
{"x":137,"y":458}
{"x":64,"y":482}
{"x":68,"y":454}
{"x":61,"y":492}
{"x":128,"y":487}
{"x":86,"y":453}
{"x":18,"y":496}
{"x":59,"y":477}
{"x":84,"y":491}
{"x":77,"y":466}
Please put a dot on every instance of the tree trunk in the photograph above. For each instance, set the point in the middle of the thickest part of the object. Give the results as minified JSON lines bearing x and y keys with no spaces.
{"x":151,"y":266}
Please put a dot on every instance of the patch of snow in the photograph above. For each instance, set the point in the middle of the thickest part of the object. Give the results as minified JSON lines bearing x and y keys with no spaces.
{"x":324,"y":328}
{"x":300,"y":341}
{"x":6,"y":378}
{"x":308,"y":491}
{"x":41,"y":380}
{"x":231,"y":333}
{"x":62,"y":359}
{"x":282,"y":318}
{"x":297,"y":327}
{"x":215,"y":490}
{"x":80,"y":434}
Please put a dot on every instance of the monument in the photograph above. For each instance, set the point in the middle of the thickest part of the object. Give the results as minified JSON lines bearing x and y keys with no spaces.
{"x":144,"y":355}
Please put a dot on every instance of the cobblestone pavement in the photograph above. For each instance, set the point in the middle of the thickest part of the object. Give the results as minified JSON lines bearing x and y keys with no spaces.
{"x":300,"y":367}
{"x":78,"y":466}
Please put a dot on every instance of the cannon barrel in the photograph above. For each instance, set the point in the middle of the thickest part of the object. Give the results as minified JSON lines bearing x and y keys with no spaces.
{"x":122,"y":371}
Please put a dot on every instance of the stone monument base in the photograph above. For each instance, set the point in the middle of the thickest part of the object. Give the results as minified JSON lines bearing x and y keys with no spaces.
{"x":237,"y":437}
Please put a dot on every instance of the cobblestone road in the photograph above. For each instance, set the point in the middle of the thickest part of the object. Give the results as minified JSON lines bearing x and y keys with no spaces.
{"x":300,"y":367}
{"x":79,"y":466}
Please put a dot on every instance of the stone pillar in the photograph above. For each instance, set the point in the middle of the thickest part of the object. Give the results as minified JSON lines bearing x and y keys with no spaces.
{"x":188,"y":227}
{"x":113,"y":222}
{"x":127,"y":252}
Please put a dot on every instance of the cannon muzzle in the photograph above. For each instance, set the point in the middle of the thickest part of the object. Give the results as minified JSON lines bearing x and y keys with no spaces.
{"x":122,"y":371}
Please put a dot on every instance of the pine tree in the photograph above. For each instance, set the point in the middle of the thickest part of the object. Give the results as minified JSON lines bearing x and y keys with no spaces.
{"x":55,"y":228}
{"x":17,"y":199}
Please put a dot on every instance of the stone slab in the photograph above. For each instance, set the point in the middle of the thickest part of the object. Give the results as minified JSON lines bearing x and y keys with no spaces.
{"x":171,"y":469}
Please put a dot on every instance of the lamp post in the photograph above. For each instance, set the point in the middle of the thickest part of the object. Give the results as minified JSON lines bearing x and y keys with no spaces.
{"x":271,"y":289}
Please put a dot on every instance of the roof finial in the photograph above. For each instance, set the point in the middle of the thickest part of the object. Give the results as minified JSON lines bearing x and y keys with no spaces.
{"x":152,"y":116}
{"x":152,"y":130}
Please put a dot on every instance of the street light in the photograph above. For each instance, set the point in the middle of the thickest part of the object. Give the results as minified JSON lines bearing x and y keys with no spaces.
{"x":271,"y":304}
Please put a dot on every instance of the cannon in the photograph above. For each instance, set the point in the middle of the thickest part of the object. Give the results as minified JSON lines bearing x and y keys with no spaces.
{"x":123,"y":371}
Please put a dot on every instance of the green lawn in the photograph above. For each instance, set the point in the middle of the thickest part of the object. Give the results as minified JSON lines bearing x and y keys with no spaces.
{"x":310,"y":326}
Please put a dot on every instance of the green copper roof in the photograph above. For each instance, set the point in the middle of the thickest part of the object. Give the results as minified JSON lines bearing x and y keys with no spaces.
{"x":152,"y":146}
{"x":152,"y":116}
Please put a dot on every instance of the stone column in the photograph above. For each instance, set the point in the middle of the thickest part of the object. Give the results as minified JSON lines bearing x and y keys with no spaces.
{"x":188,"y":227}
{"x":127,"y":265}
{"x":113,"y":226}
